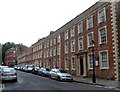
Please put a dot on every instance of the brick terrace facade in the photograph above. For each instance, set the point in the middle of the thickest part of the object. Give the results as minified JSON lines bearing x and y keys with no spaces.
{"x":11,"y":57}
{"x":70,"y":47}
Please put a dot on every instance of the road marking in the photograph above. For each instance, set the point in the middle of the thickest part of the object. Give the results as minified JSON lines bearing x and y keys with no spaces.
{"x":2,"y":86}
{"x":99,"y":86}
{"x":19,"y":82}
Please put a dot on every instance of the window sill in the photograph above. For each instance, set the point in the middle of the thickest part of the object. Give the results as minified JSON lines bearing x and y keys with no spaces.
{"x":104,"y":68}
{"x":67,"y":69}
{"x":89,"y":28}
{"x":73,"y":69}
{"x":99,"y":23}
{"x":90,"y":69}
{"x":103,"y":43}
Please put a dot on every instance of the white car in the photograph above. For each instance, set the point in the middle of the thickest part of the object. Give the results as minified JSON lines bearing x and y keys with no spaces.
{"x":8,"y":74}
{"x":60,"y":74}
{"x":2,"y":67}
{"x":29,"y":68}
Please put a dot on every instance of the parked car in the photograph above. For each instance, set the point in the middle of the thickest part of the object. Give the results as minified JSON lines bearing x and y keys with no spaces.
{"x":44,"y":72}
{"x":35,"y":70}
{"x":15,"y":67}
{"x":8,"y":74}
{"x":60,"y":74}
{"x":28,"y":68}
{"x":2,"y":67}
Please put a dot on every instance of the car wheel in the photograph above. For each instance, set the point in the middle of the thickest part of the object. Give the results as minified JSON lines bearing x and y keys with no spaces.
{"x":58,"y":78}
{"x":15,"y":80}
{"x":50,"y":77}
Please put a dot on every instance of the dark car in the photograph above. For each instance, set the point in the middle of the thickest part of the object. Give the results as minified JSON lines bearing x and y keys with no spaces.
{"x":44,"y":72}
{"x":35,"y":70}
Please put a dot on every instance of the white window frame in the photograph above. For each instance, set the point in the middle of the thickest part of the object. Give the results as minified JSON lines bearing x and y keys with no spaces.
{"x":66,"y":65}
{"x":99,"y":21}
{"x":47,"y":52}
{"x":48,"y":44}
{"x":72,"y":31}
{"x":33,"y":56}
{"x":66,"y":35}
{"x":54,"y":41}
{"x":51,"y":42}
{"x":88,"y":40}
{"x":58,"y":52}
{"x":59,"y":62}
{"x":66,"y":47}
{"x":41,"y":46}
{"x":80,"y":27}
{"x":80,"y":40}
{"x":88,"y":22}
{"x":99,"y":32}
{"x":90,"y":61}
{"x":40,"y":54}
{"x":58,"y":38}
{"x":100,"y":58}
{"x":40,"y":63}
{"x":73,"y":63}
{"x":51,"y":52}
{"x":54,"y":51}
{"x":72,"y":45}
{"x":54,"y":63}
{"x":45,"y":46}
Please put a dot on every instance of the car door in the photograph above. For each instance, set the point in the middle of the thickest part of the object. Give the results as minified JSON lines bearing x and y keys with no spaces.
{"x":51,"y":73}
{"x":55,"y":74}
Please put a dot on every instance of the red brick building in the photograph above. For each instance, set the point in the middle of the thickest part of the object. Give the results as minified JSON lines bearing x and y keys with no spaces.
{"x":11,"y":57}
{"x":70,"y":47}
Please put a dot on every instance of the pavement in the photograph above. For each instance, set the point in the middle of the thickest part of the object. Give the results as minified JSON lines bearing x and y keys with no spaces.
{"x":99,"y":82}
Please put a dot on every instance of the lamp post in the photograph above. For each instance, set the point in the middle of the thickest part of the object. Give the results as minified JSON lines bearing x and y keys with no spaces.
{"x":93,"y":75}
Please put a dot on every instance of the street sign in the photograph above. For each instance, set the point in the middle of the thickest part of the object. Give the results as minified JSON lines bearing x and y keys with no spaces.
{"x":94,"y":59}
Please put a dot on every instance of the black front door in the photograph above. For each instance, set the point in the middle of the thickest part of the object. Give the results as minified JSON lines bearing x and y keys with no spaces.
{"x":81,"y":66}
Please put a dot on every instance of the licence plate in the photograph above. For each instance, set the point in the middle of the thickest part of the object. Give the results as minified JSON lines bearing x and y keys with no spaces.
{"x":7,"y":74}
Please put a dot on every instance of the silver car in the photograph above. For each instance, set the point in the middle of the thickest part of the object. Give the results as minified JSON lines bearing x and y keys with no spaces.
{"x":2,"y":67}
{"x":9,"y":74}
{"x":60,"y":74}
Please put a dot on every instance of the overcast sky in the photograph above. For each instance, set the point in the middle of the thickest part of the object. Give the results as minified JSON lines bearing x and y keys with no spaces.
{"x":25,"y":21}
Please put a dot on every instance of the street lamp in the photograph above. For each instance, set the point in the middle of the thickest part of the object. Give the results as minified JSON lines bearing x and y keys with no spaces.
{"x":93,"y":75}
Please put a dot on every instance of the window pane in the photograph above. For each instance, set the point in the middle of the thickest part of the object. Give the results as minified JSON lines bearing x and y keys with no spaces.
{"x":90,"y":61}
{"x":72,"y":31}
{"x":89,"y":22}
{"x":101,"y":16}
{"x":80,"y":28}
{"x":73,"y":63}
{"x":90,"y":38}
{"x":80,"y":44}
{"x":103,"y":35}
{"x":104,"y":59}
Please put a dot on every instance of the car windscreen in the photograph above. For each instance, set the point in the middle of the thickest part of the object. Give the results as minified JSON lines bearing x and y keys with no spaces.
{"x":62,"y":71}
{"x":30,"y":66}
{"x":9,"y":71}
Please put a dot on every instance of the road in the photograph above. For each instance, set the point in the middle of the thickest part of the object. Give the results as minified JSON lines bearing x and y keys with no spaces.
{"x":28,"y":81}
